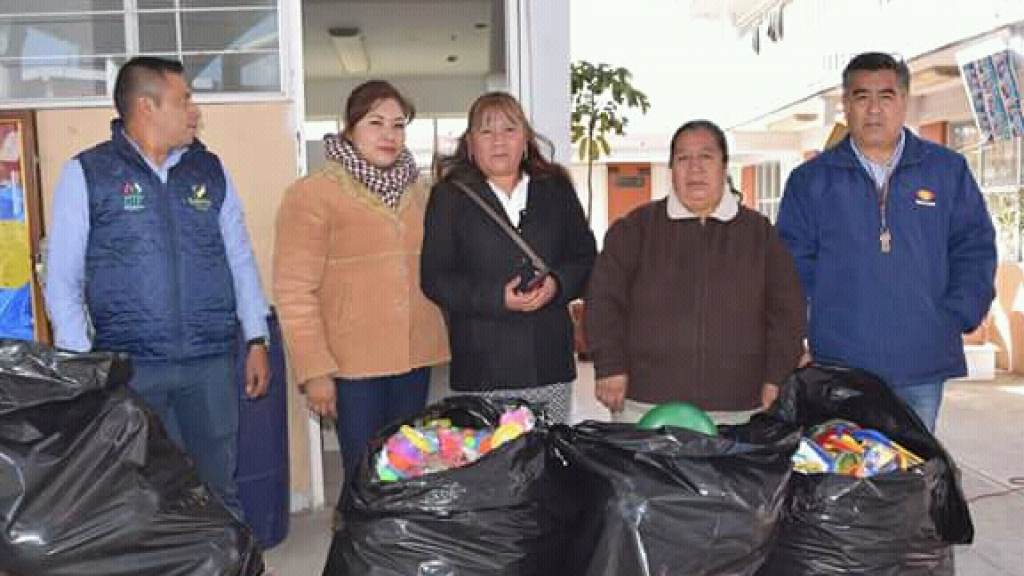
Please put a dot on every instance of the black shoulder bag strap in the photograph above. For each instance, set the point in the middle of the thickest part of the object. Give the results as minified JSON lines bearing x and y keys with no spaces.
{"x":535,"y":259}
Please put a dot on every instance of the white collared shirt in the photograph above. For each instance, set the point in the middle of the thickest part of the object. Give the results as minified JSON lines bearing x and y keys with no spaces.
{"x":515,"y":203}
{"x":727,"y":209}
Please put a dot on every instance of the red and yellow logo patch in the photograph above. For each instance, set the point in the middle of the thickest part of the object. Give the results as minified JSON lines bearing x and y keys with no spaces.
{"x":924,"y":197}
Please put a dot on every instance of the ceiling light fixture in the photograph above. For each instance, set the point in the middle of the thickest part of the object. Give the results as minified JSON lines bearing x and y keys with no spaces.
{"x":349,"y":46}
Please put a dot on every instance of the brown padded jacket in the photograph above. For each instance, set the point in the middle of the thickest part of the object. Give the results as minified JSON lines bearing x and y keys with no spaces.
{"x":347,"y":280}
{"x":702,"y":312}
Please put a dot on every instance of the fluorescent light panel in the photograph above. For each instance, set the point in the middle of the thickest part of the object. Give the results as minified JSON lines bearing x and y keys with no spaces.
{"x":351,"y":51}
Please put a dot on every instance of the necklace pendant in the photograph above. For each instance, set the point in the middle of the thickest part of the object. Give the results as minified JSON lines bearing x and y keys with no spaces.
{"x":885,"y":241}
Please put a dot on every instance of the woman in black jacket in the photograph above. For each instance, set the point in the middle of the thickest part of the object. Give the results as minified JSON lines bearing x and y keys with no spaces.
{"x":509,"y":326}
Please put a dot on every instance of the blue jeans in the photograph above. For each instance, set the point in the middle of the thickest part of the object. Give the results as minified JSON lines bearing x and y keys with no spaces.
{"x":366,"y":405}
{"x":197,"y":402}
{"x":925,"y":399}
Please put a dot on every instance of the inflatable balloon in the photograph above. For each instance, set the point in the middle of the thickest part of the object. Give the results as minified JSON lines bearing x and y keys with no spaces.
{"x":679,"y":414}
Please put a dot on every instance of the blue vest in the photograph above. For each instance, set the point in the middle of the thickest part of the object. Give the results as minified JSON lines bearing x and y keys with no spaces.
{"x":157,"y":280}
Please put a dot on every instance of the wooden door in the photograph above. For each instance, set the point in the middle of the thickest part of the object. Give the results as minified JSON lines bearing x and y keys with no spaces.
{"x":629,"y":186}
{"x":22,"y":313}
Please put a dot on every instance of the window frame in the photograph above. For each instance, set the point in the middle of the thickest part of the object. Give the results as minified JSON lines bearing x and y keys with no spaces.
{"x":285,"y":90}
{"x":768,"y":188}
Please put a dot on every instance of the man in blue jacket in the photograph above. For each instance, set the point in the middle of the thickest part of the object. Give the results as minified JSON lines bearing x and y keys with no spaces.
{"x":892,"y":241}
{"x":150,"y":246}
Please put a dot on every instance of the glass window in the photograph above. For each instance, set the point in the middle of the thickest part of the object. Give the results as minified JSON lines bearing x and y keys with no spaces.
{"x":1005,"y":208}
{"x":448,"y":132}
{"x":999,"y":163}
{"x":57,"y":37}
{"x":223,"y":50}
{"x":768,"y":188}
{"x":963,"y":135}
{"x":158,"y":32}
{"x":70,"y":78}
{"x":419,"y":139}
{"x":233,"y":72}
{"x":59,"y":56}
{"x":317,"y":129}
{"x":71,"y":49}
{"x":237,"y":30}
{"x":227,"y":3}
{"x":22,"y":7}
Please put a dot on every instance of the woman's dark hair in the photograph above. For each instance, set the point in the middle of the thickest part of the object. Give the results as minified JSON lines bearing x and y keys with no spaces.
{"x":367,"y":95}
{"x":707,"y":125}
{"x":461,"y":163}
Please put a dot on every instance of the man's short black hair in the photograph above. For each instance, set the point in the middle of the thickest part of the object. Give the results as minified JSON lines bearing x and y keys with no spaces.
{"x":875,"y":62}
{"x":138,"y":77}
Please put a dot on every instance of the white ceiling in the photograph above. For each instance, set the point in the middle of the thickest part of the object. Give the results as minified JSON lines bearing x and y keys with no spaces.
{"x":404,"y":37}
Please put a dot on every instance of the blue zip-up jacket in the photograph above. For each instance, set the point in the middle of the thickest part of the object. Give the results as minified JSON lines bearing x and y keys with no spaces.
{"x":902,"y":314}
{"x":157,"y":280}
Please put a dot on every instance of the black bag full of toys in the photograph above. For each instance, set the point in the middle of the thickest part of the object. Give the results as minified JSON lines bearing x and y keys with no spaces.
{"x":883,"y":498}
{"x":466,"y":487}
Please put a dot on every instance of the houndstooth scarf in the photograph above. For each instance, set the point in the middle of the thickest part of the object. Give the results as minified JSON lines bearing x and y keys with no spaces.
{"x":387,"y":184}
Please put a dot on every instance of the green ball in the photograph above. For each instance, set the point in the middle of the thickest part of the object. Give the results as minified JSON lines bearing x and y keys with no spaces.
{"x":679,"y":414}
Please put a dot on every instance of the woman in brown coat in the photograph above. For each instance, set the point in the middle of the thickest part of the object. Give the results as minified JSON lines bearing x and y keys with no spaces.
{"x":346,"y":276}
{"x":694,"y":298}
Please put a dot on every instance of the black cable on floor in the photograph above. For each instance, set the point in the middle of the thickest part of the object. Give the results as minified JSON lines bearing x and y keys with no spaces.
{"x":1018,"y":486}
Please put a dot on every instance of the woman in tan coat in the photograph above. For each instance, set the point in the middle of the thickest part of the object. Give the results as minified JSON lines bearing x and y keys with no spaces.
{"x":360,"y":333}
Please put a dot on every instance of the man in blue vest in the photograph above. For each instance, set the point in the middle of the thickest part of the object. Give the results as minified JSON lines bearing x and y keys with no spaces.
{"x":893,"y":243}
{"x":150,"y":246}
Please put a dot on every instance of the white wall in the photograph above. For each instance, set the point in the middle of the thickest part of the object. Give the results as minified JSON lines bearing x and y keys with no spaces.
{"x":945,"y":105}
{"x":432,"y":95}
{"x":661,"y":181}
{"x":822,"y":35}
{"x":599,"y":218}
{"x":679,"y":63}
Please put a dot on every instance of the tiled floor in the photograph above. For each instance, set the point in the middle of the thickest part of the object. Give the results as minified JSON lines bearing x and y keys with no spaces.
{"x":982,"y":425}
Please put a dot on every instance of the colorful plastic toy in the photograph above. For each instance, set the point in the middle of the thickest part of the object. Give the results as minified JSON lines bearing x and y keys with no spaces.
{"x":841,"y":447}
{"x":437,"y":445}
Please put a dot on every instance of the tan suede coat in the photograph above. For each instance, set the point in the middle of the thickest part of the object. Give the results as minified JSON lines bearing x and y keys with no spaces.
{"x":347,"y":280}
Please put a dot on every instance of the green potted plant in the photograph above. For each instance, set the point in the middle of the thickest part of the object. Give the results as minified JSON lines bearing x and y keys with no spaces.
{"x":600,"y":96}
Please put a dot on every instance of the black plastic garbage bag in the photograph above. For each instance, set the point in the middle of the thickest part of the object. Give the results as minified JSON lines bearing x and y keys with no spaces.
{"x":504,"y":515}
{"x":675,"y":502}
{"x":900,"y":523}
{"x":90,"y":485}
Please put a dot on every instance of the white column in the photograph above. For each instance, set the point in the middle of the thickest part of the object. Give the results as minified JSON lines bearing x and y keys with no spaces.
{"x":538,"y":66}
{"x":293,"y":69}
